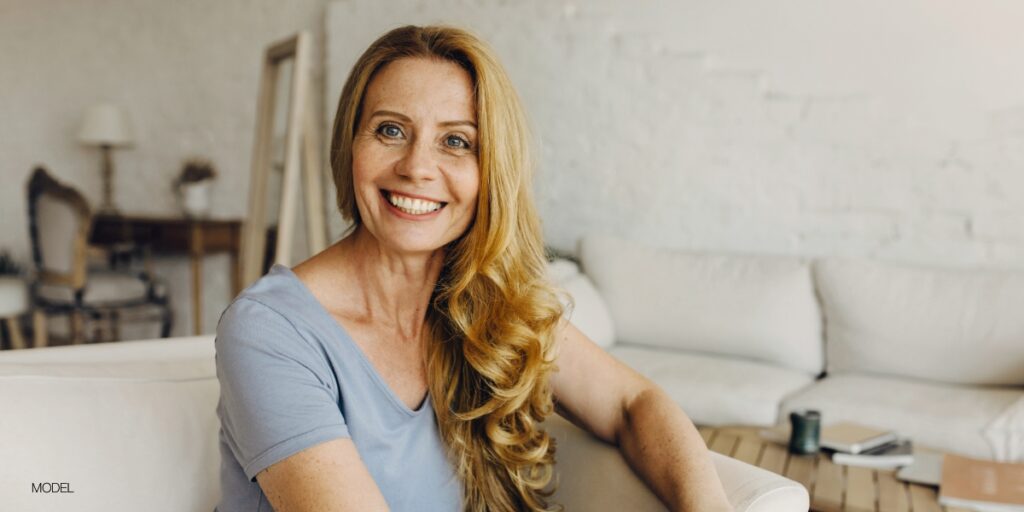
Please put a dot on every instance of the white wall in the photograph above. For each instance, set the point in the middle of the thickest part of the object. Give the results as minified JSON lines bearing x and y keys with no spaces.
{"x":889,"y":129}
{"x":186,"y":72}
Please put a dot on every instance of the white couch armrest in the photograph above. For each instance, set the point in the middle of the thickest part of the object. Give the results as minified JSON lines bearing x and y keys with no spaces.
{"x":593,"y":476}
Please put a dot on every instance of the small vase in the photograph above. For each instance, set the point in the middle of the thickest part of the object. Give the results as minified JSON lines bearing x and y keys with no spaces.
{"x":195,"y":199}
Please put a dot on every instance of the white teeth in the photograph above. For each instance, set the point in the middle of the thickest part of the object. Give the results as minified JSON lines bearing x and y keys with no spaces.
{"x":413,"y":206}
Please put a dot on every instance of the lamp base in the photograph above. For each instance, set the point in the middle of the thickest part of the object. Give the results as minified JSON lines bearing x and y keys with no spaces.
{"x":107,"y":206}
{"x":108,"y":210}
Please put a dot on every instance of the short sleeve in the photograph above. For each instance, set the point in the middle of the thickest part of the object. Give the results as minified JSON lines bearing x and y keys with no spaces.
{"x":275,"y":396}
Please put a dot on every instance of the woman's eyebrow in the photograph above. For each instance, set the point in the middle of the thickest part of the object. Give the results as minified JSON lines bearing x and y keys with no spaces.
{"x":457,"y":123}
{"x":406,"y":118}
{"x":391,"y":113}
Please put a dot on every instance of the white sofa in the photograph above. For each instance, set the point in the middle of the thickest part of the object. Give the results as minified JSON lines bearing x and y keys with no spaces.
{"x":132,"y":426}
{"x":936,"y":354}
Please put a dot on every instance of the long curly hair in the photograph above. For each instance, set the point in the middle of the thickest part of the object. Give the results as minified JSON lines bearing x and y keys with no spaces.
{"x":492,"y":317}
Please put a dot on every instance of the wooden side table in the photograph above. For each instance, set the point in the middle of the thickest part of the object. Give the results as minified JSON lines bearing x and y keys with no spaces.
{"x":195,"y":237}
{"x":832,"y":487}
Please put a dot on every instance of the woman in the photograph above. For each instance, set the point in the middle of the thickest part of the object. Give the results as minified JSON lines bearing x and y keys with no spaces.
{"x":410,"y":364}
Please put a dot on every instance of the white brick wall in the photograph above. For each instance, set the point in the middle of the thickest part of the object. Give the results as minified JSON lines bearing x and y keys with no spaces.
{"x":799,"y":127}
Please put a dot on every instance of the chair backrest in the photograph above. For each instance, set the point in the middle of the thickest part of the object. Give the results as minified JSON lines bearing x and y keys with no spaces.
{"x":59,"y":223}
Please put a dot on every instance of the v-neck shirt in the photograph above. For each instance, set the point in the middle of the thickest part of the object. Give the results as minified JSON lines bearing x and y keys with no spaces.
{"x":291,"y":378}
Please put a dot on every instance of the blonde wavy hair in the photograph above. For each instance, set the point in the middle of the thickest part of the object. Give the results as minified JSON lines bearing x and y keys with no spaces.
{"x":492,"y":318}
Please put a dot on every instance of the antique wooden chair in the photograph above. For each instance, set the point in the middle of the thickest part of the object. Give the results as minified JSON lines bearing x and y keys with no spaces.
{"x":66,"y":284}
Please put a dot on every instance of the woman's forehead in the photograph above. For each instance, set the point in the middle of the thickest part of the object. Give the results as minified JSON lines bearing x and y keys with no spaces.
{"x":424,"y":89}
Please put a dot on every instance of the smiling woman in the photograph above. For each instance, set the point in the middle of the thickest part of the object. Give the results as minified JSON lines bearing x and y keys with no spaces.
{"x":409,"y":366}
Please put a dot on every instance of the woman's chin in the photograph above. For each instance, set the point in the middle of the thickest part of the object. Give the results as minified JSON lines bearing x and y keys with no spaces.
{"x":413,"y":246}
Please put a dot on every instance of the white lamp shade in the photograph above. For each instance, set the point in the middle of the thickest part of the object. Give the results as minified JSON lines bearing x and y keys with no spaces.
{"x":105,"y":125}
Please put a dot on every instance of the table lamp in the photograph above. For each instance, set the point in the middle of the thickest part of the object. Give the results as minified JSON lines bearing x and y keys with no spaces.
{"x":107,"y":127}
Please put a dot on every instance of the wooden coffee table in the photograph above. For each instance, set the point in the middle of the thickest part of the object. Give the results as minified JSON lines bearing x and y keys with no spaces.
{"x":832,"y":487}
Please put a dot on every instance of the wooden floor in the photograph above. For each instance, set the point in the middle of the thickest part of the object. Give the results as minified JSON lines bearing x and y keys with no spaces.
{"x":832,"y":487}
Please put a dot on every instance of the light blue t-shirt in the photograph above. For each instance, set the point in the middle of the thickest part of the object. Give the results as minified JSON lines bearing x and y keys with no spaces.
{"x":292,"y":378}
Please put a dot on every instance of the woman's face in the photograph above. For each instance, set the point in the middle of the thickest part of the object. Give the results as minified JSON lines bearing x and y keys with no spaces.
{"x":414,"y":158}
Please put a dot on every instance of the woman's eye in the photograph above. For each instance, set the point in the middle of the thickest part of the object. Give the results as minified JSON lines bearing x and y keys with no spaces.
{"x":389,"y":130}
{"x":454,"y":141}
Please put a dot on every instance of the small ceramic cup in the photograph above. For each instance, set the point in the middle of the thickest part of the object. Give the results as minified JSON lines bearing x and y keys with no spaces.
{"x":805,"y":438}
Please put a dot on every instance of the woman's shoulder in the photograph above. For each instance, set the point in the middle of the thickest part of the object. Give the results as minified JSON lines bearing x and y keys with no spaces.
{"x":269,"y":324}
{"x":275,"y":302}
{"x":277,"y":290}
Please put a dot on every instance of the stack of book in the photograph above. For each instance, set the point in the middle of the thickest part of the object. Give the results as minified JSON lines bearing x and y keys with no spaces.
{"x":982,"y":485}
{"x":857,"y":445}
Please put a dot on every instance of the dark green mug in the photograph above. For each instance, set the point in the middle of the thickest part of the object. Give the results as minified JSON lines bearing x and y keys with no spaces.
{"x":805,"y":437}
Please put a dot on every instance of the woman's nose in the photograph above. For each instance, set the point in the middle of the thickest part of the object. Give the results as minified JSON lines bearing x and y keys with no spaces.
{"x":420,"y":162}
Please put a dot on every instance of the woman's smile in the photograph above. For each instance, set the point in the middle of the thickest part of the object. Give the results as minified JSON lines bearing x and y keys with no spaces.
{"x":410,"y":208}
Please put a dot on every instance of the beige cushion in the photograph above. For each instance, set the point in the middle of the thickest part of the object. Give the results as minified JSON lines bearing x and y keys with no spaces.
{"x":716,"y":390}
{"x":589,"y":312}
{"x":1006,"y":433}
{"x":942,"y":416}
{"x":57,"y":226}
{"x":755,"y":307}
{"x":962,"y":327}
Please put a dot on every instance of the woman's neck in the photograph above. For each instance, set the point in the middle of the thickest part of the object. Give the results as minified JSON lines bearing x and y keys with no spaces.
{"x":394,"y":289}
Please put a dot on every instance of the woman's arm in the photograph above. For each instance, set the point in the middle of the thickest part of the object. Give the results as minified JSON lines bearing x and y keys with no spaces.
{"x":328,"y":476}
{"x":597,"y":392}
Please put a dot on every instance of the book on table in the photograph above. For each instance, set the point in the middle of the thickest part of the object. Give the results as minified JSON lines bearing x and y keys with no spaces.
{"x":888,"y":456}
{"x":845,"y":437}
{"x":925,"y":470}
{"x":982,"y":484}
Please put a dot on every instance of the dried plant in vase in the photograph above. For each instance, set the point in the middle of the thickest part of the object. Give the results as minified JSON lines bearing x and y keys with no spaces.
{"x":193,"y":187}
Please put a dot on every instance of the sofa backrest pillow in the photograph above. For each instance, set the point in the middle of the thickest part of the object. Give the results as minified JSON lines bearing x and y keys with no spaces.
{"x":956,"y":326}
{"x":757,"y":307}
{"x":588,"y":312}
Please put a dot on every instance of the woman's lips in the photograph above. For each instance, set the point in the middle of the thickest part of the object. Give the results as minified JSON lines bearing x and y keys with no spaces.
{"x":405,"y":215}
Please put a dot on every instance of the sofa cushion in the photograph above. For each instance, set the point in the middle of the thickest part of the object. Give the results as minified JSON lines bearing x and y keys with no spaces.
{"x":942,"y":416}
{"x":589,"y":312}
{"x":757,"y":307}
{"x":1006,"y":433}
{"x":954,"y":326}
{"x":715,"y":390}
{"x":127,"y":443}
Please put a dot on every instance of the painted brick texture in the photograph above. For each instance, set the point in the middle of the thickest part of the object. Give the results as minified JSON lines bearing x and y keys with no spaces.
{"x":668,"y":124}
